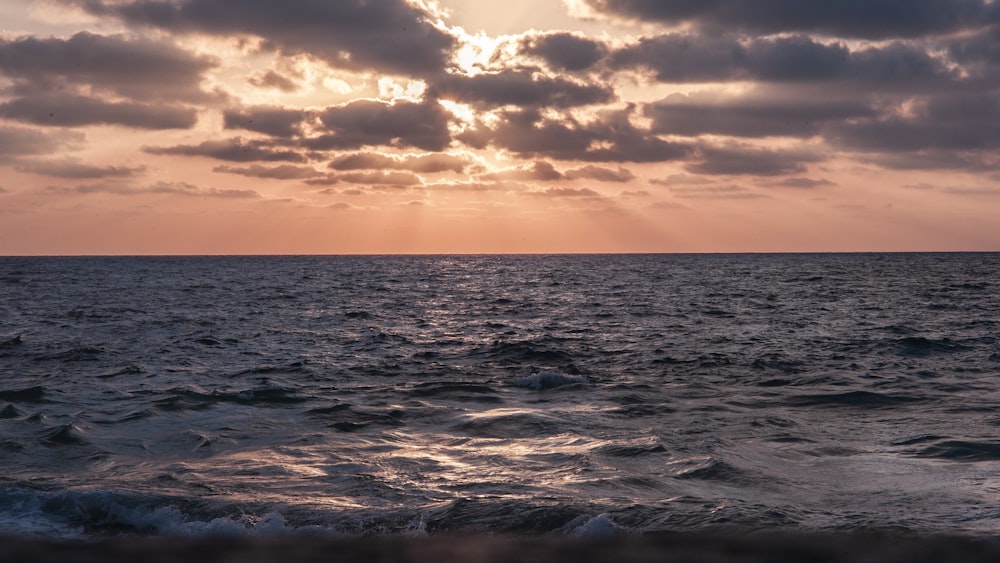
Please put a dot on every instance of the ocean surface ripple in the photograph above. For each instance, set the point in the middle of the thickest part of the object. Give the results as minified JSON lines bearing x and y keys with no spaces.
{"x":578,"y":395}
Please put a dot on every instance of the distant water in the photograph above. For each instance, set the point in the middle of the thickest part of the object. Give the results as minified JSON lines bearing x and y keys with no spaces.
{"x":580,"y":395}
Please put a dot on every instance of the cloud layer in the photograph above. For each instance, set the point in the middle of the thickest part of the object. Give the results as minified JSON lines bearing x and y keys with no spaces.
{"x":924,"y":81}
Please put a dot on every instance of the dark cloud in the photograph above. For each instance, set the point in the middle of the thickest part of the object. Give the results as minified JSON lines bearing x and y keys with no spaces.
{"x":600,"y":174}
{"x":390,"y":179}
{"x":900,"y":66}
{"x":695,"y":57}
{"x":896,"y":133}
{"x":749,"y":116}
{"x":960,"y":190}
{"x":323,"y":180}
{"x":20,"y":141}
{"x":73,"y":111}
{"x":802,"y":183}
{"x":282,"y":172}
{"x":364,"y":161}
{"x":966,"y":161}
{"x":545,"y":171}
{"x":973,"y":191}
{"x":715,"y":192}
{"x":871,"y":19}
{"x":425,"y":163}
{"x":681,"y":57}
{"x":964,"y":121}
{"x":528,"y":133}
{"x":910,"y":117}
{"x":564,"y":192}
{"x":565,"y":51}
{"x":916,"y":104}
{"x":978,"y":53}
{"x":422,"y":125}
{"x":185,"y":189}
{"x":739,"y":159}
{"x":635,"y":194}
{"x":272,"y":79}
{"x":234,"y":150}
{"x":273,"y":121}
{"x":386,"y":35}
{"x":682,"y":180}
{"x":965,"y":108}
{"x":618,"y":140}
{"x":611,"y":137}
{"x":519,"y":88}
{"x":796,"y":58}
{"x":169,"y":188}
{"x":537,"y":171}
{"x":131,"y":67}
{"x":77,"y":170}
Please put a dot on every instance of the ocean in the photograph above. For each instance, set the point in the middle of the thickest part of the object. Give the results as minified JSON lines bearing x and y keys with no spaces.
{"x":574,"y":395}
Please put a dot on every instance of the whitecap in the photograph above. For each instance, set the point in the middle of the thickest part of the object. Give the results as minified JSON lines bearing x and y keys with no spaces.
{"x":600,"y":526}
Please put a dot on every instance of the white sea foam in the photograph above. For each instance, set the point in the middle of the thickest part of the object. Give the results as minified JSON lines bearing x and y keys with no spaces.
{"x":172,"y":522}
{"x":600,"y":526}
{"x":69,"y":514}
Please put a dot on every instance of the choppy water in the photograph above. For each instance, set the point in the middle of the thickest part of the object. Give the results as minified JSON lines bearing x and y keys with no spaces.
{"x":566,"y":394}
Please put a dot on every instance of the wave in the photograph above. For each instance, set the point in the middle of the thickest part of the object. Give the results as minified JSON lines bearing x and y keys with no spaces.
{"x":346,"y":418}
{"x":922,"y":346}
{"x":509,"y":424}
{"x":640,"y":410}
{"x":77,"y":354}
{"x":63,"y":435}
{"x":130,"y":369}
{"x":88,"y":514}
{"x":775,"y":362}
{"x":962,"y":450}
{"x":717,"y":470}
{"x":457,"y":391}
{"x":11,"y":342}
{"x":631,"y":450}
{"x":865,"y":399}
{"x":79,"y":514}
{"x":188,"y":398}
{"x":600,"y":526}
{"x":548,"y":380}
{"x":540,"y":350}
{"x":267,"y":369}
{"x":505,"y":517}
{"x":34,"y":394}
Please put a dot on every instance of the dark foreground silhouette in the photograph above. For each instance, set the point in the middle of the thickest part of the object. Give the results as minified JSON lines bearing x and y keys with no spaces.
{"x":688,"y":548}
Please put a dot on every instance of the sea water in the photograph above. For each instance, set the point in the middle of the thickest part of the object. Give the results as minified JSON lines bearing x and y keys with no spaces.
{"x":579,"y":395}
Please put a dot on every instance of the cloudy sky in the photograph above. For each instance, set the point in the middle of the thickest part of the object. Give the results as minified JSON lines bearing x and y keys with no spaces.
{"x":400,"y":126}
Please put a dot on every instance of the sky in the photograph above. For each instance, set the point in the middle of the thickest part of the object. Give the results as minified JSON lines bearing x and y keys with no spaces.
{"x":498,"y":126}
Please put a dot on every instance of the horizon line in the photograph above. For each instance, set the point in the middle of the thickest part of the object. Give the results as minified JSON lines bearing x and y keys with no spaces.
{"x":429,"y":254}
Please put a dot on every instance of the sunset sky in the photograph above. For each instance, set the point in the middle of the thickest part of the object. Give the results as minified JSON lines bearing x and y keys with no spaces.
{"x":467,"y":126}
